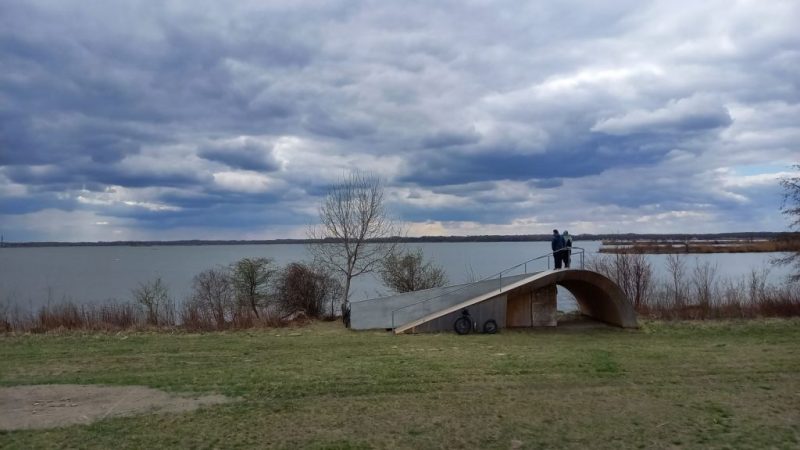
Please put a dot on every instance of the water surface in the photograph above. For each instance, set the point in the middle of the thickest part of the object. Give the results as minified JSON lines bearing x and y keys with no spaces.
{"x":34,"y":276}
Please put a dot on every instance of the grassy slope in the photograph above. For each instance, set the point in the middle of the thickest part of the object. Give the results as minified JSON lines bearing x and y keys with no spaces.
{"x":667,"y":385}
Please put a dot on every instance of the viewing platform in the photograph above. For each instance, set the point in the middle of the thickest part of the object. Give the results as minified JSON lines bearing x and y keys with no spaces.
{"x":512,"y":301}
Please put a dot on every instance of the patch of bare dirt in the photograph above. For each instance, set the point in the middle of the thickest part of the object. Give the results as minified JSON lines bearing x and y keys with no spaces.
{"x":55,"y":405}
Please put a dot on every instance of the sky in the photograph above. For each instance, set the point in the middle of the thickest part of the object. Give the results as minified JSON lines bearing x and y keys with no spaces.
{"x":142,"y":120}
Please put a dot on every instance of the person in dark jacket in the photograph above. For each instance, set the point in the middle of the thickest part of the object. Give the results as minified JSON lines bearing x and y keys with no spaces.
{"x":567,"y":248}
{"x":557,"y":244}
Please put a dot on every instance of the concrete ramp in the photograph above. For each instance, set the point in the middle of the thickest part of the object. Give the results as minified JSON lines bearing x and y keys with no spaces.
{"x":597,"y":296}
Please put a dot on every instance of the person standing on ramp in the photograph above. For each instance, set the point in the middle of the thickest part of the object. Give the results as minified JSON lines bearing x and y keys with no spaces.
{"x":567,"y":248}
{"x":557,"y":244}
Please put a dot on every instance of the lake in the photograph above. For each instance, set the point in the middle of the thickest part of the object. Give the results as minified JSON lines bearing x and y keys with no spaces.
{"x":31,"y":277}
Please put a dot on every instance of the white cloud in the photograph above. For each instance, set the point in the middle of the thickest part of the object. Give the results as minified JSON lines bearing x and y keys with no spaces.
{"x":245,"y":181}
{"x":603,"y":77}
{"x":118,"y":196}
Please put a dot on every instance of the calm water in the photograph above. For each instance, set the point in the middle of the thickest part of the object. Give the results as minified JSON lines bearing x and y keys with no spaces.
{"x":30,"y":277}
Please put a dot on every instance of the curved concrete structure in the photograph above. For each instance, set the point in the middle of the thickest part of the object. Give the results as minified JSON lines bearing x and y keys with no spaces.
{"x":598,"y":297}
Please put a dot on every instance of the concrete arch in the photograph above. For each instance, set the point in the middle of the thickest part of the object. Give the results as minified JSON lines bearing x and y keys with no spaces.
{"x":598,"y":297}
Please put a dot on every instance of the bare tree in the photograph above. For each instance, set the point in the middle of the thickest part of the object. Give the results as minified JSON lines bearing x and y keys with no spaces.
{"x":409,"y":271}
{"x":213,"y":292}
{"x":632,"y":272}
{"x":704,"y":282}
{"x":791,"y":208}
{"x":676,"y":267}
{"x":154,"y":298}
{"x":250,"y":278}
{"x":355,"y":232}
{"x":641,"y":279}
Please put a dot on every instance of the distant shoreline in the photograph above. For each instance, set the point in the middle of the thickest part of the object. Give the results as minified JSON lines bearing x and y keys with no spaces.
{"x":422,"y":239}
{"x":657,"y":247}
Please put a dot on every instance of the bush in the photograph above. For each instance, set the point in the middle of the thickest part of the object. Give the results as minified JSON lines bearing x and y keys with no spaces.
{"x":632,"y":273}
{"x":251,"y":278}
{"x":696,"y":292}
{"x":408,"y":272}
{"x":212,"y":299}
{"x":310,"y":289}
{"x":153,"y":297}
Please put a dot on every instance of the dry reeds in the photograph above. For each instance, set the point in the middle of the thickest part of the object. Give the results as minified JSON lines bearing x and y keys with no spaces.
{"x":221,"y":299}
{"x":785,"y":244}
{"x":70,"y":316}
{"x":697,"y":292}
{"x":191,"y":316}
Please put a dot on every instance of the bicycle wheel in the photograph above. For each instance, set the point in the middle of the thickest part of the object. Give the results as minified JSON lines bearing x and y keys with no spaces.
{"x":490,"y":326}
{"x":463,"y":325}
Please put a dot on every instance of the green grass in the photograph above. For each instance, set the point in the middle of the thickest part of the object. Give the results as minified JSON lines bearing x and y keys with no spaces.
{"x":682,"y":385}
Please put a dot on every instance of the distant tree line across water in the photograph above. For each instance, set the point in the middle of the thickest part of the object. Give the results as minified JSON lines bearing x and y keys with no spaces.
{"x":422,"y":239}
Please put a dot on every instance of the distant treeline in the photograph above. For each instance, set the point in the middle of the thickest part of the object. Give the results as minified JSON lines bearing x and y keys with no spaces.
{"x":481,"y":238}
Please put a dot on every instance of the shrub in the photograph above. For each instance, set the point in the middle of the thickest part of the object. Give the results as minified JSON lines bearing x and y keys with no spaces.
{"x":212,"y":297}
{"x":696,"y":292}
{"x":307,"y":288}
{"x":632,"y":273}
{"x":153,"y":297}
{"x":406,"y":272}
{"x":250,"y":278}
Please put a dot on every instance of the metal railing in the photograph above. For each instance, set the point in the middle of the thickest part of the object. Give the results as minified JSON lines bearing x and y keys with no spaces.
{"x":576,"y":251}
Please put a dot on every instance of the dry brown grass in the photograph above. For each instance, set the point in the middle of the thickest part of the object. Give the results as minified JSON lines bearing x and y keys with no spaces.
{"x":692,"y":292}
{"x":126,"y":316}
{"x":721,"y":246}
{"x":70,"y":316}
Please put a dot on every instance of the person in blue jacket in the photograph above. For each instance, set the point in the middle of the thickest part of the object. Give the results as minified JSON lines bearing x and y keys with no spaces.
{"x":557,"y":244}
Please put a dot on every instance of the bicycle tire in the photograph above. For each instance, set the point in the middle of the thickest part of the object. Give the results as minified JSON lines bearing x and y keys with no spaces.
{"x":463,"y":325}
{"x":490,"y":326}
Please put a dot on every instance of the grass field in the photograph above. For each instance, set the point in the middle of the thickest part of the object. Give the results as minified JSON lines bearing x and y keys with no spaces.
{"x":679,"y":385}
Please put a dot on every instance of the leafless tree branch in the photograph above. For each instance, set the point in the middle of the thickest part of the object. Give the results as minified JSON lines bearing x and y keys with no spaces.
{"x":351,"y":237}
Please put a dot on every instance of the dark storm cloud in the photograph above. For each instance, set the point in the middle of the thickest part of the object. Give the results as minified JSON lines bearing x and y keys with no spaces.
{"x":681,"y":116}
{"x":443,"y":139}
{"x":34,"y":141}
{"x":33,"y":202}
{"x":591,"y":156}
{"x":339,"y":126}
{"x":194,"y":108}
{"x":57,"y":178}
{"x":546,"y":183}
{"x":212,"y":215}
{"x":244,"y":155}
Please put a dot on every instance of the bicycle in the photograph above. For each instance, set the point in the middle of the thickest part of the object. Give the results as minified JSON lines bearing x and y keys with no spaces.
{"x":465,"y":325}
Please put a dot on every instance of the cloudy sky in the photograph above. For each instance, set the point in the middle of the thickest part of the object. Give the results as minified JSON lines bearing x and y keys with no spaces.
{"x":229,"y":120}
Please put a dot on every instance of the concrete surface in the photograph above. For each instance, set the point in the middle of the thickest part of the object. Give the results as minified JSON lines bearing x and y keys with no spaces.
{"x":377,"y":312}
{"x":597,"y":297}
